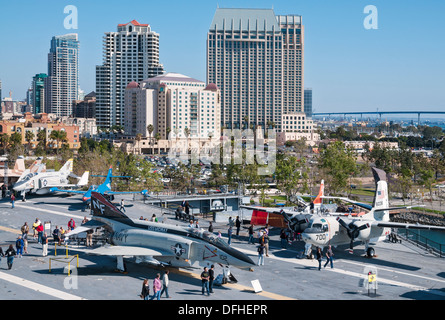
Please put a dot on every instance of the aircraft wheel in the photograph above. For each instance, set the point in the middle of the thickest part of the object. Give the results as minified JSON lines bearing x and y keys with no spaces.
{"x":370,"y":252}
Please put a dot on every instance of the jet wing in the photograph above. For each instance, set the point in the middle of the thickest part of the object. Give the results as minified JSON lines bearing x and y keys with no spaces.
{"x":360,"y":204}
{"x":92,"y":224}
{"x":400,"y":225}
{"x":268,"y":210}
{"x":125,"y":192}
{"x":124,"y":251}
{"x":67,"y":191}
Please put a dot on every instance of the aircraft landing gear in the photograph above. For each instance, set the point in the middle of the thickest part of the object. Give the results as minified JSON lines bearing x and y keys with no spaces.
{"x":121,"y":265}
{"x":370,"y":252}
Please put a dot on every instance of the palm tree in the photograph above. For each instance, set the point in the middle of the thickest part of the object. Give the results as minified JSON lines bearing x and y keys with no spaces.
{"x":58,"y":135}
{"x":29,"y":136}
{"x":41,"y":137}
{"x":4,"y":140}
{"x":187,"y":134}
{"x":150,"y":129}
{"x":138,"y":139}
{"x":158,"y":137}
{"x":168,"y":136}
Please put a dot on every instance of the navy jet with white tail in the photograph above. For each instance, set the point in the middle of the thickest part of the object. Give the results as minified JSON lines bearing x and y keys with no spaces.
{"x":156,"y":243}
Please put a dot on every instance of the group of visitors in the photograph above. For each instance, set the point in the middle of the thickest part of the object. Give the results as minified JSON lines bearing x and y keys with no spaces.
{"x":159,"y":287}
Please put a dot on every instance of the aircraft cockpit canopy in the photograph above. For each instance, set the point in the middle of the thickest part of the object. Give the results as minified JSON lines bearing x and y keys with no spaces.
{"x":29,"y":176}
{"x":323,"y":227}
{"x":208,"y":237}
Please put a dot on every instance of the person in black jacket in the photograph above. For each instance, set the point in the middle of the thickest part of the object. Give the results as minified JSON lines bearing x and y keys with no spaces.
{"x":211,"y":278}
{"x":1,"y":254}
{"x":145,"y":293}
{"x":319,"y":257}
{"x":10,"y":254}
{"x":238,"y":226}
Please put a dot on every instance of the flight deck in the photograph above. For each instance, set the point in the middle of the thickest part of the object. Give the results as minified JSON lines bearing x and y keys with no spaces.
{"x":403,"y":271}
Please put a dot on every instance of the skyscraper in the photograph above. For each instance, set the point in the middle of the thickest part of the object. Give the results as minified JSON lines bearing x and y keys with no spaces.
{"x":308,"y":102}
{"x":130,"y":54}
{"x":62,"y":83}
{"x":256,"y":60}
{"x":38,"y":93}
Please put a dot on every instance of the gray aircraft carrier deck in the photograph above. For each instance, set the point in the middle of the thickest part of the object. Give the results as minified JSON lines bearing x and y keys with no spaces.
{"x":404,"y":272}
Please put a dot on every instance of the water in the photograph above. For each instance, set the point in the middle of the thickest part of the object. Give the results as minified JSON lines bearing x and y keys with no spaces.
{"x":436,"y":236}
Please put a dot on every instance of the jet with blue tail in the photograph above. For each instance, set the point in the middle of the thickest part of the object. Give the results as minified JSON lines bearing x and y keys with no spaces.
{"x":104,"y":188}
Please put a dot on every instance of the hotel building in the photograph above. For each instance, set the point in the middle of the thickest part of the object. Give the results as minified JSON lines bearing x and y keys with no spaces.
{"x":256,"y":59}
{"x":173,"y":103}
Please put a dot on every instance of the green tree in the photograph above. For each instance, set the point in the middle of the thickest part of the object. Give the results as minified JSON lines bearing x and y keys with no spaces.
{"x":289,"y":174}
{"x":339,"y":166}
{"x":29,"y":136}
{"x":4,"y":140}
{"x":58,"y":136}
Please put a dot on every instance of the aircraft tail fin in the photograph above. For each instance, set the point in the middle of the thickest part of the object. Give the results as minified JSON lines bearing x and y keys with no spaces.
{"x":35,"y":165}
{"x":68,"y":166}
{"x":319,"y":199}
{"x":381,"y":197}
{"x":109,"y":175}
{"x":19,"y":165}
{"x":102,"y":207}
{"x":83,"y":181}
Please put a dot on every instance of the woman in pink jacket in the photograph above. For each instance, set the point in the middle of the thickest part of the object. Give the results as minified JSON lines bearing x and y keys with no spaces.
{"x":157,"y":287}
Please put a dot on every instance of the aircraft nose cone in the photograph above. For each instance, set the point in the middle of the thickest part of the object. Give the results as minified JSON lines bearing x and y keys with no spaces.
{"x":19,"y":186}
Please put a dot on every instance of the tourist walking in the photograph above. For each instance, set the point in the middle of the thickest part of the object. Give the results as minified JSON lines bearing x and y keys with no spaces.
{"x":283,"y":237}
{"x":229,"y":234}
{"x":261,"y":249}
{"x":319,"y":257}
{"x":45,"y":245}
{"x":89,"y":242}
{"x":71,"y":224}
{"x":12,"y":200}
{"x":145,"y":292}
{"x":205,"y":276}
{"x":157,"y":287}
{"x":19,"y":244}
{"x":122,"y":206}
{"x":10,"y":254}
{"x":25,"y":229}
{"x":39,"y":232}
{"x":237,"y":225}
{"x":56,"y":235}
{"x":329,"y":256}
{"x":251,"y":232}
{"x":165,"y":282}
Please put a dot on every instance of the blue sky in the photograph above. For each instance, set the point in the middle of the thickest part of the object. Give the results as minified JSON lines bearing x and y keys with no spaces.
{"x":400,"y":66}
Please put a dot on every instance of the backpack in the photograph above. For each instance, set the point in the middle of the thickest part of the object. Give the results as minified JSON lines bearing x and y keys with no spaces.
{"x":19,"y":244}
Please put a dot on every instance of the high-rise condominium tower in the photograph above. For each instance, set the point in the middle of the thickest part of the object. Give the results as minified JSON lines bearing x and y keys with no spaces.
{"x":62,"y":83}
{"x":130,"y":54}
{"x":38,"y":93}
{"x":256,"y":60}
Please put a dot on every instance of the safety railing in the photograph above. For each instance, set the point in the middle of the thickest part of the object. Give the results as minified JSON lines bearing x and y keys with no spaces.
{"x":422,"y":242}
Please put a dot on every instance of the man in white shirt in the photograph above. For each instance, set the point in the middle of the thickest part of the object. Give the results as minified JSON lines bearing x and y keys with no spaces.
{"x":165,"y":284}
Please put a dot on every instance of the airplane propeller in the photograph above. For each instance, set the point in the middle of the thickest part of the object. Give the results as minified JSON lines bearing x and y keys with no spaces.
{"x":353,"y":230}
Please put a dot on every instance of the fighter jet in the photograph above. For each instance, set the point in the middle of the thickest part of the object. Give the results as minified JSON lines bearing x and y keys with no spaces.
{"x":104,"y":188}
{"x":161,"y":244}
{"x":41,"y":181}
{"x":370,"y":227}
